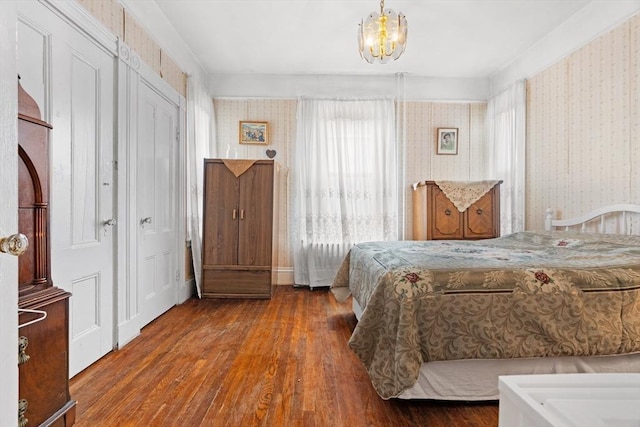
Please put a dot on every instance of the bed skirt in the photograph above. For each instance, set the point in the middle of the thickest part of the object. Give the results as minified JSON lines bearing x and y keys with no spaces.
{"x":477,"y":379}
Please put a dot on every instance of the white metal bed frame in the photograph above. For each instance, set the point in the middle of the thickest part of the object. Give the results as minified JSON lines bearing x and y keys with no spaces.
{"x":624,"y":222}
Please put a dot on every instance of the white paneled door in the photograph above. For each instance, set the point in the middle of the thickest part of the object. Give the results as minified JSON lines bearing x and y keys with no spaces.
{"x":157,"y":156}
{"x":82,"y":146}
{"x":8,"y":215}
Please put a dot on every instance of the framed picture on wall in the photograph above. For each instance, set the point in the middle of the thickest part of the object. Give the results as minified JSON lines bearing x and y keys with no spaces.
{"x":447,"y":141}
{"x":254,"y":133}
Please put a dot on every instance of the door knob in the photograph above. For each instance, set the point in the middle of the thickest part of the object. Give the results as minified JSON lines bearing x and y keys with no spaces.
{"x":109,"y":222}
{"x":16,"y":244}
{"x":146,"y":220}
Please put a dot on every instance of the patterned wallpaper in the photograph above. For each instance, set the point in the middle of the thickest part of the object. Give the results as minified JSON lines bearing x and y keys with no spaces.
{"x":113,"y":16}
{"x":423,"y":118}
{"x":136,"y":37}
{"x":583,"y":128}
{"x":634,"y":96}
{"x":423,"y":164}
{"x":110,"y":13}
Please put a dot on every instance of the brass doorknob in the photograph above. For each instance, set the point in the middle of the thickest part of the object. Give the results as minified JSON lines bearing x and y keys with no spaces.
{"x":16,"y":244}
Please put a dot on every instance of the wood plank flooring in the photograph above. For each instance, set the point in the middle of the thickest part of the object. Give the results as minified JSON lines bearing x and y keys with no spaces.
{"x":278,"y":362}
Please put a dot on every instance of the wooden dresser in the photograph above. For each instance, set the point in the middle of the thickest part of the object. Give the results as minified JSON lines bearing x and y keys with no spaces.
{"x":237,"y":228}
{"x":481,"y":220}
{"x":43,"y":308}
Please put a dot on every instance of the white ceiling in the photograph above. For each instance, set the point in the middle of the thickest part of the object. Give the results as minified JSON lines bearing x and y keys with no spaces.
{"x":447,"y":38}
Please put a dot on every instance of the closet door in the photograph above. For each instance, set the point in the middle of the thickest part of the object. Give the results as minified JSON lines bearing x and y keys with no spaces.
{"x":82,"y":85}
{"x":157,"y":154}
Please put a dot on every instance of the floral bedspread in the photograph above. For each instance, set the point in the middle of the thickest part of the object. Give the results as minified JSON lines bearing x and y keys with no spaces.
{"x":521,"y":295}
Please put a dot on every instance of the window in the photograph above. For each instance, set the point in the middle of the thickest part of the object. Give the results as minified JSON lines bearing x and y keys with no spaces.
{"x":345,"y":182}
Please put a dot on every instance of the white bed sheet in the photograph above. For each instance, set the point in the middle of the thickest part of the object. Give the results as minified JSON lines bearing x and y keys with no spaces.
{"x":477,"y":379}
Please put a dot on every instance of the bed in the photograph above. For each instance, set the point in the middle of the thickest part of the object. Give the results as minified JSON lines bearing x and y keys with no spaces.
{"x":444,"y":319}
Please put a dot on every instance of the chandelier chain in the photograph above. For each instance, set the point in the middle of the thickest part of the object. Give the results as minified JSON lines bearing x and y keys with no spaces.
{"x":381,"y":7}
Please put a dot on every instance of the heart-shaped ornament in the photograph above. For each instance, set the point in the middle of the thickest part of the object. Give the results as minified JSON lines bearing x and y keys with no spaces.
{"x":271,"y":154}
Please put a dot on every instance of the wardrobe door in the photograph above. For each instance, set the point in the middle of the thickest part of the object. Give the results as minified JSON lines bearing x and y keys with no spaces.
{"x":256,"y":216}
{"x":221,"y":215}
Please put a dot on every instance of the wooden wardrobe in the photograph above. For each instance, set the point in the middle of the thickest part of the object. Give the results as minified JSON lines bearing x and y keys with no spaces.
{"x":238,"y":227}
{"x":481,"y":220}
{"x":43,"y":309}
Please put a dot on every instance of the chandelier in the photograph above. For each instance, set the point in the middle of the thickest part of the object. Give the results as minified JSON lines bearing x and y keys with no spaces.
{"x":382,"y":36}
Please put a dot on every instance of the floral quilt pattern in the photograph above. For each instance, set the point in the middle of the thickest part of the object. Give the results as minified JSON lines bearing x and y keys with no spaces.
{"x":521,"y":295}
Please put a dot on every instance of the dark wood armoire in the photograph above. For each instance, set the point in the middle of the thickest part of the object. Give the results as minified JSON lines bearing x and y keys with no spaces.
{"x":481,"y":220}
{"x":43,"y":318}
{"x":237,"y":250}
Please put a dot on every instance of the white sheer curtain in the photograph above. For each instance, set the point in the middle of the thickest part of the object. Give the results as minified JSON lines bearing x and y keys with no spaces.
{"x":345,"y":183}
{"x":506,"y":115}
{"x":200,"y":145}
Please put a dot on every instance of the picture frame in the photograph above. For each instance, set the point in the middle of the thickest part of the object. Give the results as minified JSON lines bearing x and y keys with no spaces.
{"x":447,"y":141}
{"x":253,"y":133}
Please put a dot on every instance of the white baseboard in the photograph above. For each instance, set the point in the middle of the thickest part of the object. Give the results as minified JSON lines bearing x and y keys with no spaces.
{"x":283,"y":275}
{"x":186,"y":291}
{"x":127,"y":331}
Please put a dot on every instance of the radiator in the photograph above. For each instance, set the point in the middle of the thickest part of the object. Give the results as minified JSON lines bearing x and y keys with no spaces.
{"x":323,"y":261}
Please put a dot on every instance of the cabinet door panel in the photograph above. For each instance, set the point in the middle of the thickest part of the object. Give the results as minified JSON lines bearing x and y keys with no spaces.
{"x":44,"y":376}
{"x":220,"y":224}
{"x":447,"y":220}
{"x":256,"y":215}
{"x":479,"y":221}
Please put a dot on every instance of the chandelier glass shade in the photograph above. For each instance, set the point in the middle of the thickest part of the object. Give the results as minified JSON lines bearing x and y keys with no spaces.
{"x":382,"y":36}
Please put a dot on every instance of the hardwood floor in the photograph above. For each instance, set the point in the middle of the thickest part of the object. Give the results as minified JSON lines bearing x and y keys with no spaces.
{"x":278,"y":362}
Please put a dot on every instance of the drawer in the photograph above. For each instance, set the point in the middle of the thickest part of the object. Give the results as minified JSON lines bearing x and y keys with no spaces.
{"x":236,"y":283}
